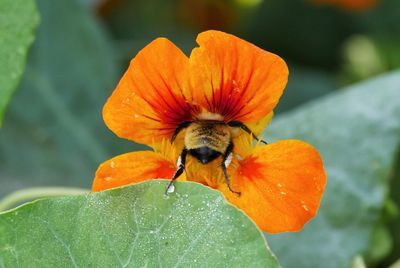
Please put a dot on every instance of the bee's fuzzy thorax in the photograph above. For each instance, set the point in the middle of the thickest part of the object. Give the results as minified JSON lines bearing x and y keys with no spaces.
{"x":206,"y":134}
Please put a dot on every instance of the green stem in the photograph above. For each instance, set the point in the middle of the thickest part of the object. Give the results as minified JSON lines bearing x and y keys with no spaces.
{"x":24,"y":195}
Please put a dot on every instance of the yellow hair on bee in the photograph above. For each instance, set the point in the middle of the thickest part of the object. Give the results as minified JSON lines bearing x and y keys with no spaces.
{"x":208,"y":134}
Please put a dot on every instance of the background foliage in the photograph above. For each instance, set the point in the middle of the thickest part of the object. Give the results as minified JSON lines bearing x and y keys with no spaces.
{"x":53,"y":132}
{"x":17,"y":23}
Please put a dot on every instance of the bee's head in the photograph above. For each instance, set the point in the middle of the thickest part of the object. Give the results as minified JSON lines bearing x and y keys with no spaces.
{"x":204,"y":154}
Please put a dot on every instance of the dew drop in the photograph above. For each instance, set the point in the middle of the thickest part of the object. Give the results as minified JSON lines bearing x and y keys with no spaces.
{"x":136,"y":115}
{"x":283,"y":193}
{"x":112,"y":164}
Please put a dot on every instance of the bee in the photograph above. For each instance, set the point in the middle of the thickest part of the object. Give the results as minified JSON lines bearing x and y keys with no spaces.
{"x":207,"y":140}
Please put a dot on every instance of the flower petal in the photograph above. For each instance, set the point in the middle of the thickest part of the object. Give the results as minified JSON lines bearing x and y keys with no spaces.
{"x":132,"y":168}
{"x":234,"y":78}
{"x":148,"y":103}
{"x":258,"y":126}
{"x":281,"y":185}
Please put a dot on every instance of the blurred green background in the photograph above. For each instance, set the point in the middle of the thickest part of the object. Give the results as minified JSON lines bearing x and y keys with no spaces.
{"x":53,"y":133}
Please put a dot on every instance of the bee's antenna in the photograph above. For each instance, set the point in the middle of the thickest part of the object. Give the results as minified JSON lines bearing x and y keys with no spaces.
{"x":245,"y":128}
{"x":179,"y":128}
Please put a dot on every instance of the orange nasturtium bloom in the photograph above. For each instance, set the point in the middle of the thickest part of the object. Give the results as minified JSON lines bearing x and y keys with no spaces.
{"x":349,"y":4}
{"x":225,"y":78}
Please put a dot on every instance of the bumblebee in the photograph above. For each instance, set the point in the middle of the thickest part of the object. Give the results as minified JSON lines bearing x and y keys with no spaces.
{"x":207,"y":140}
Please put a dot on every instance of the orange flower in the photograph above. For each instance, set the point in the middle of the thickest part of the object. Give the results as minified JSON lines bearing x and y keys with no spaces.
{"x":349,"y":4}
{"x":212,"y":105}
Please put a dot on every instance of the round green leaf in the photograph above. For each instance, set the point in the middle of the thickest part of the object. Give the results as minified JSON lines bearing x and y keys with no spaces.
{"x":18,"y":21}
{"x":134,"y":226}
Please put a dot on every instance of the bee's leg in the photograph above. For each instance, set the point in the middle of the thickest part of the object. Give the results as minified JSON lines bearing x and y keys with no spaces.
{"x":180,"y":164}
{"x":226,"y":160}
{"x":245,"y":128}
{"x":180,"y":127}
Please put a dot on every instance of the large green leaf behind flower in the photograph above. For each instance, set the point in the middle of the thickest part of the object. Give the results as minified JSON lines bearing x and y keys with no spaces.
{"x":18,"y":21}
{"x":135,"y":226}
{"x":357,"y":131}
{"x":53,"y":132}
